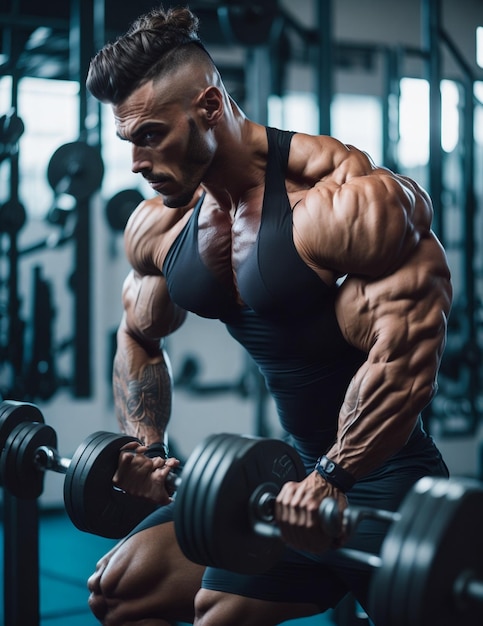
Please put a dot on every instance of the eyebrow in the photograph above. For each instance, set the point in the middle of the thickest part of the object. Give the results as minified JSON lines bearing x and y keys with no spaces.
{"x":140,"y":131}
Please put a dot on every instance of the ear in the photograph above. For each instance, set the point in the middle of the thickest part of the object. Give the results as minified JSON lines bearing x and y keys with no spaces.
{"x":210,"y":103}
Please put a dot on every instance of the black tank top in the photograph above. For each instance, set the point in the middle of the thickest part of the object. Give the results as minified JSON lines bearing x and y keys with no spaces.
{"x":287,"y":323}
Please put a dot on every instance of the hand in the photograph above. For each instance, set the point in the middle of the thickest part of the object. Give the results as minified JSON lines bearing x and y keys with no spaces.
{"x":142,"y":476}
{"x":297,"y":513}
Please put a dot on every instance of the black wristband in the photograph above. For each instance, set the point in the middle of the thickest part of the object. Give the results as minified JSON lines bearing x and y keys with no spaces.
{"x":156,"y":449}
{"x":334,"y":474}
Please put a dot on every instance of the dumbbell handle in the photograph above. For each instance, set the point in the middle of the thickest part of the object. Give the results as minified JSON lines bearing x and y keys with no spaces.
{"x":47,"y":458}
{"x":263,"y":516}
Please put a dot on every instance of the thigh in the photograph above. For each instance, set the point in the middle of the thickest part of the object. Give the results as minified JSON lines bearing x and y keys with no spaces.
{"x":218,"y":609}
{"x":297,"y":578}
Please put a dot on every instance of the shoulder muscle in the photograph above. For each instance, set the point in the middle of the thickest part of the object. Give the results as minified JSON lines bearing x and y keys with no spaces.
{"x":357,"y":218}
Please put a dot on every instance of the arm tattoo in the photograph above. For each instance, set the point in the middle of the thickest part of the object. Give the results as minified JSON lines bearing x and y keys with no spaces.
{"x":143,"y":403}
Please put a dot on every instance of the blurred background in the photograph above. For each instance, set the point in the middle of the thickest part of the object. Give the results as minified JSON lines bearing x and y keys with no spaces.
{"x":400,"y":80}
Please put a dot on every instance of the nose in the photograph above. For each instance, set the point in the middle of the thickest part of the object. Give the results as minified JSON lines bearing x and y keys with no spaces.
{"x":140,"y":160}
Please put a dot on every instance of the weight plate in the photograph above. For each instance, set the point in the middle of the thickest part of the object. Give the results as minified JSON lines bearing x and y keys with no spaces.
{"x":73,"y":499}
{"x":258,"y":461}
{"x":384,"y":586}
{"x":404,"y":579}
{"x":120,"y":207}
{"x":451,"y":546}
{"x":241,"y":465}
{"x":13,"y":413}
{"x":76,"y":169}
{"x":225,"y":456}
{"x":92,"y":502}
{"x":21,"y":477}
{"x":186,"y":516}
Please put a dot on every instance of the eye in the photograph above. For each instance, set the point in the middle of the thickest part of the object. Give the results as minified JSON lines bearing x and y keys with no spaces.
{"x":149,"y":138}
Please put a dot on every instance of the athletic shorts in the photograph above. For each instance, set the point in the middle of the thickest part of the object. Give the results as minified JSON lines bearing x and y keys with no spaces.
{"x":324,"y":579}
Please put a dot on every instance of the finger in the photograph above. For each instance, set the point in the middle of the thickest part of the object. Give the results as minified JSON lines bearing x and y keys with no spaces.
{"x":131,"y":445}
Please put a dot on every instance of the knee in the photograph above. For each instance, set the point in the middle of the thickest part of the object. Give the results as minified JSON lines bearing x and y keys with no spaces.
{"x":212,"y":609}
{"x":103,"y":585}
{"x":205,"y":605}
{"x":147,"y":577}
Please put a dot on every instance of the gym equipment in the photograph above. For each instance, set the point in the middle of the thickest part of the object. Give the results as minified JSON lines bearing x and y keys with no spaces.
{"x":76,"y":169}
{"x":224,"y":501}
{"x":93,"y":503}
{"x":12,"y":216}
{"x":248,"y":24}
{"x":11,"y":129}
{"x":429,"y":569}
{"x":120,"y":207}
{"x":255,"y":468}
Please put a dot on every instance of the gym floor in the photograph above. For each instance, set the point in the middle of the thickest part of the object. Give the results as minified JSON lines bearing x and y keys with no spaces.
{"x":67,"y":557}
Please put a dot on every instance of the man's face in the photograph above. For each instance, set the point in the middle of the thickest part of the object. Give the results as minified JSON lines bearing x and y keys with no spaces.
{"x":170,"y":148}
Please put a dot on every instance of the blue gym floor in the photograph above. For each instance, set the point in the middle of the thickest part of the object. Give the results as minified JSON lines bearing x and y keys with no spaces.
{"x":67,"y":557}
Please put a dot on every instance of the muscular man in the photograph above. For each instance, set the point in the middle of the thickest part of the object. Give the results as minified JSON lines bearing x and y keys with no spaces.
{"x":323,"y":266}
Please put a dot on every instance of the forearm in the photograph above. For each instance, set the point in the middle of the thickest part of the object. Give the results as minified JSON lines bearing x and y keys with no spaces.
{"x":142,"y":388}
{"x":379,"y":413}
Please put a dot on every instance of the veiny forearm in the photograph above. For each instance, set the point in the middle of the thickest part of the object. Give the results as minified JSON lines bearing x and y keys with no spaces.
{"x":380,"y":411}
{"x":142,"y":388}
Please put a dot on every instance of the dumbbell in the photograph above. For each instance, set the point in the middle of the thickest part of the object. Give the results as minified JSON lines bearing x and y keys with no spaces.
{"x":29,"y":449}
{"x":95,"y":505}
{"x":429,"y":571}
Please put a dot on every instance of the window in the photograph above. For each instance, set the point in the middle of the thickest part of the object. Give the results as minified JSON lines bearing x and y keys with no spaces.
{"x":49,"y":111}
{"x":356,"y":119}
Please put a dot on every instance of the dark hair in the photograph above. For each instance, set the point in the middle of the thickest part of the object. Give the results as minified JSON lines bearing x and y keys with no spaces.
{"x":156,"y":41}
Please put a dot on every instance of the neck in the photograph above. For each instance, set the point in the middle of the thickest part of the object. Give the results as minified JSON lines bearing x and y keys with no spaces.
{"x":239,"y":164}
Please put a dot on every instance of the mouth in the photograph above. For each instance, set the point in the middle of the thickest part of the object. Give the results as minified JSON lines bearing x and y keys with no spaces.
{"x":160,"y":185}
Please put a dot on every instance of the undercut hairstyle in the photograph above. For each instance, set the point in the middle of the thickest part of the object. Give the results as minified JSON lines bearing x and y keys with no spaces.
{"x":156,"y":43}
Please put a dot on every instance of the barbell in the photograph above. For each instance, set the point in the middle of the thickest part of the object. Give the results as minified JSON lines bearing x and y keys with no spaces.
{"x":429,"y":569}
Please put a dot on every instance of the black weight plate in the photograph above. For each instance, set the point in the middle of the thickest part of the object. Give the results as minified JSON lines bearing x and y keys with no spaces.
{"x":92,"y":502}
{"x":383,"y":585}
{"x":405,"y":575}
{"x":200,"y":503}
{"x":74,"y":504}
{"x":76,"y":169}
{"x":20,"y":475}
{"x":185,"y":512}
{"x":223,"y":458}
{"x":219,"y":544}
{"x":260,"y":461}
{"x":12,"y":413}
{"x":233,"y":542}
{"x":433,"y":503}
{"x":451,"y":545}
{"x":120,"y":207}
